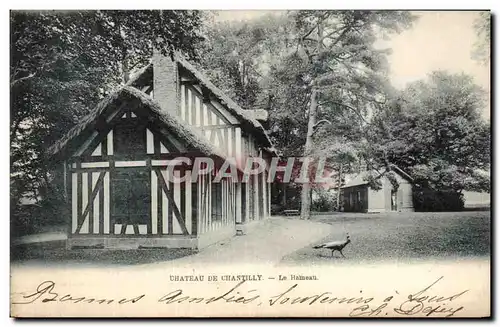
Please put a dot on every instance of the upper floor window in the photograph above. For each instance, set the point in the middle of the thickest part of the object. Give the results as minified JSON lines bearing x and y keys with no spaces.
{"x":129,"y":140}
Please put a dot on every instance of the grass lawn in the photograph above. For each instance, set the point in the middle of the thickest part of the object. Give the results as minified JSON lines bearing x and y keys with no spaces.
{"x":401,"y":237}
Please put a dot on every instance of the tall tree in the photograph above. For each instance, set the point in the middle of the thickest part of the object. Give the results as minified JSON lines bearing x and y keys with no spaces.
{"x":313,"y":68}
{"x":341,"y":66}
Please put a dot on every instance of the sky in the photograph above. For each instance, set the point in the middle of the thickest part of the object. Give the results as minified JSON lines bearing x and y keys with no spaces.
{"x":439,"y":40}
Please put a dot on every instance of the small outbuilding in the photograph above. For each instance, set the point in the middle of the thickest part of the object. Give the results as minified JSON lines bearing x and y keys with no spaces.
{"x":358,"y":196}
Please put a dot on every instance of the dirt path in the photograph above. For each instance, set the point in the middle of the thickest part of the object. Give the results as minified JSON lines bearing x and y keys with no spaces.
{"x":267,"y":243}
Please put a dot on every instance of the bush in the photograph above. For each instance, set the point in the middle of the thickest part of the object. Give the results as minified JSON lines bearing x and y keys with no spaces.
{"x":430,"y":200}
{"x":32,"y":218}
{"x":325,"y":202}
{"x":21,"y":221}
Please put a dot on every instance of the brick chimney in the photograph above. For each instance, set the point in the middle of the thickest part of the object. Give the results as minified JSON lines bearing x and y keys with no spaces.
{"x":362,"y":165}
{"x":166,"y":83}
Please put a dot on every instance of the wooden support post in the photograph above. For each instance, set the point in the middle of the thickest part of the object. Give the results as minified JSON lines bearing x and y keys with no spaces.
{"x":65,"y":180}
{"x":79,"y":195}
{"x":194,"y":208}
{"x":238,"y":205}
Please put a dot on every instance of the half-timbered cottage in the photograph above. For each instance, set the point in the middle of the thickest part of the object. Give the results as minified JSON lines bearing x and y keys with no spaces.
{"x":115,"y":163}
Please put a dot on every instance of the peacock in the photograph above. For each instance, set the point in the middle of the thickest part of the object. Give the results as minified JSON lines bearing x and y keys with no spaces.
{"x":335,"y":245}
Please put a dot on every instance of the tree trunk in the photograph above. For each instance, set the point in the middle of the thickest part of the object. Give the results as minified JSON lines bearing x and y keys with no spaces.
{"x":305,"y":210}
{"x":338,"y":187}
{"x":125,"y":67}
{"x":283,"y":198}
{"x":125,"y":72}
{"x":124,"y":61}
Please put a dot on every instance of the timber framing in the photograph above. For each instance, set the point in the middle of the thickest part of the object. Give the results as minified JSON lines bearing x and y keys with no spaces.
{"x":172,"y":203}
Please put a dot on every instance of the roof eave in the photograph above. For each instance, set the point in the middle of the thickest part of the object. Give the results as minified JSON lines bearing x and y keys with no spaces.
{"x":348,"y":186}
{"x":60,"y":148}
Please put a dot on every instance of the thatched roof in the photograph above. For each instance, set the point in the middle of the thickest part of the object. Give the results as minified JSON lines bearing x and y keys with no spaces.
{"x":129,"y":95}
{"x":142,"y":76}
{"x":249,"y":123}
{"x":361,"y":178}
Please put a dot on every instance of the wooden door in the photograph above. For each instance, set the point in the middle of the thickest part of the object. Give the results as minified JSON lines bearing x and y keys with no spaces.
{"x":131,"y":201}
{"x":394,"y":200}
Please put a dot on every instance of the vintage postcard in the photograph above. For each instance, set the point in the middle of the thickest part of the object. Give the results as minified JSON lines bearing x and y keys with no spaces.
{"x":291,"y":163}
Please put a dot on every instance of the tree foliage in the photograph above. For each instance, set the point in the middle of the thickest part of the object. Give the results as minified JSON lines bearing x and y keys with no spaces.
{"x":482,"y":27}
{"x":239,"y":54}
{"x":318,"y":71}
{"x":434,"y":131}
{"x":63,"y":62}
